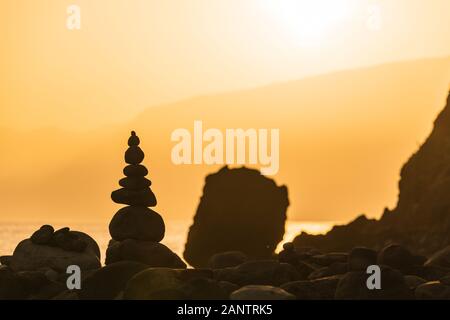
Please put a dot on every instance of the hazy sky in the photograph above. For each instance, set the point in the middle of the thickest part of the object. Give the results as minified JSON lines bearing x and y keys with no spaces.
{"x":344,"y":137}
{"x":132,"y":54}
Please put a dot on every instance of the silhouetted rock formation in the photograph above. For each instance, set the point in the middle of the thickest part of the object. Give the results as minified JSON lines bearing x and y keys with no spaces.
{"x":421,"y":219}
{"x":56,"y":250}
{"x":240,"y":210}
{"x":137,"y":230}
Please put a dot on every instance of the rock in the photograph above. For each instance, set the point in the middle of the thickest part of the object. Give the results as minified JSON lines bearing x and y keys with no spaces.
{"x":134,"y":155}
{"x":135,"y":183}
{"x":32,"y":281}
{"x":133,"y":140}
{"x":318,"y":289}
{"x":144,"y":197}
{"x":5,"y":260}
{"x":432,"y":291}
{"x":258,"y":292}
{"x":50,"y":274}
{"x":191,"y":274}
{"x":236,"y":203}
{"x":43,"y":235}
{"x":69,"y":241}
{"x":135,"y":170}
{"x":207,"y":289}
{"x":67,"y":295}
{"x":398,"y":257}
{"x":332,"y":270}
{"x":30,"y":257}
{"x":153,"y":254}
{"x":297,"y":260}
{"x":354,"y":286}
{"x":329,"y":258}
{"x":62,"y":231}
{"x":92,"y":245}
{"x":154,"y":284}
{"x":49,"y":291}
{"x":264,"y":272}
{"x":360,"y":258}
{"x":106,"y":283}
{"x":430,"y":272}
{"x":226,"y":259}
{"x":445,"y":280}
{"x":440,"y":258}
{"x":10,"y":286}
{"x":139,"y":223}
{"x":412,"y":282}
{"x":421,"y":220}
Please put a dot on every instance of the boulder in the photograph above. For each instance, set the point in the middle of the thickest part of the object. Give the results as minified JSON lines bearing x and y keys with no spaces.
{"x":412,"y":282}
{"x":5,"y":260}
{"x":430,"y":272}
{"x":49,"y":291}
{"x":360,"y":258}
{"x":318,"y":289}
{"x":69,"y":241}
{"x":106,"y":283}
{"x":440,"y":258}
{"x":332,"y":270}
{"x":432,"y":291}
{"x":136,"y":222}
{"x":353,"y":285}
{"x":207,"y":289}
{"x":237,"y":203}
{"x":134,"y":155}
{"x":227,"y":259}
{"x":43,"y":236}
{"x":329,"y":258}
{"x":153,"y":254}
{"x":421,"y":219}
{"x":32,"y":281}
{"x":154,"y":284}
{"x":264,"y":272}
{"x":31,"y":257}
{"x":398,"y":257}
{"x":445,"y":280}
{"x":258,"y":292}
{"x":11,"y":288}
{"x":144,"y":197}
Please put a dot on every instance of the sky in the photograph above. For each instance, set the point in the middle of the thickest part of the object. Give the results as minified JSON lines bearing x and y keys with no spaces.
{"x":133,"y":54}
{"x":69,"y":97}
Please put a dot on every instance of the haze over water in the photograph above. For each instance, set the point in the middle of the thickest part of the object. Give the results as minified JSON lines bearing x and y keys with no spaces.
{"x":175,"y":238}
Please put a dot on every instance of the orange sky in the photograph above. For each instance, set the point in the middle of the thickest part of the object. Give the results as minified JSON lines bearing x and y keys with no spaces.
{"x":132,"y":54}
{"x":69,"y":98}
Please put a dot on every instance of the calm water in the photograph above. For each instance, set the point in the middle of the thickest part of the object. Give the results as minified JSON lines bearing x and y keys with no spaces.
{"x":176,"y":232}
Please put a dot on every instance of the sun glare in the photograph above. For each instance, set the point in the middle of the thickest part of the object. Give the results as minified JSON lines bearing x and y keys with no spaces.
{"x":308,"y":22}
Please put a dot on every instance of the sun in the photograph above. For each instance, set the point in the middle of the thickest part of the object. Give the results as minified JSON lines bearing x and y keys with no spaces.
{"x":308,"y":22}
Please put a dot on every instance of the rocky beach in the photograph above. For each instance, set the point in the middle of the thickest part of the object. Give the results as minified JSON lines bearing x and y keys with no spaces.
{"x":231,"y":244}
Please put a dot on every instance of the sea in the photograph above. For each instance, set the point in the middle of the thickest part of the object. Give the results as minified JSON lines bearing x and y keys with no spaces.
{"x":175,"y":238}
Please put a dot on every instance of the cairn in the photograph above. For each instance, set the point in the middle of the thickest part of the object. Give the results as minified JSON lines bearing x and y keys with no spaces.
{"x":136,"y":230}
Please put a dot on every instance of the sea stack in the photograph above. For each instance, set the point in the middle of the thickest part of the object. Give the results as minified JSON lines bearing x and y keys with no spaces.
{"x":136,"y":230}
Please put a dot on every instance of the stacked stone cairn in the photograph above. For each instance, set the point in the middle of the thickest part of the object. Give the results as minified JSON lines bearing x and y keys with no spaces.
{"x":136,"y":230}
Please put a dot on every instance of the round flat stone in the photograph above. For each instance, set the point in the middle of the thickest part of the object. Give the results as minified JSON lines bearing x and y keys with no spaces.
{"x":134,"y":155}
{"x":144,"y":197}
{"x":135,"y":170}
{"x":135,"y":183}
{"x":139,"y":223}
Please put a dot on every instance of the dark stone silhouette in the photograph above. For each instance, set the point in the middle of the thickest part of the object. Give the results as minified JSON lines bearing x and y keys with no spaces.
{"x":421,"y":220}
{"x":240,"y":210}
{"x":137,"y":230}
{"x":55,"y":250}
